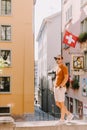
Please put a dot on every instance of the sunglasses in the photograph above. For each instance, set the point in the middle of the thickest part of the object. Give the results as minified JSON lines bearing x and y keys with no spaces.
{"x":58,"y":58}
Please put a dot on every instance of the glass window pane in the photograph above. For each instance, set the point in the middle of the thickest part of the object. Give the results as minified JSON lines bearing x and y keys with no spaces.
{"x":2,"y":33}
{"x":8,"y":35}
{"x":9,"y":7}
{"x":2,"y":7}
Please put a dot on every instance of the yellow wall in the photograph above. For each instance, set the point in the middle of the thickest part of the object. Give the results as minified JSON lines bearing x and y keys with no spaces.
{"x":21,"y":98}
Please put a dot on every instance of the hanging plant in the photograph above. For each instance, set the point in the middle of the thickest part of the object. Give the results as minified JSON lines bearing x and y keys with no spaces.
{"x":82,"y":37}
{"x":75,"y":84}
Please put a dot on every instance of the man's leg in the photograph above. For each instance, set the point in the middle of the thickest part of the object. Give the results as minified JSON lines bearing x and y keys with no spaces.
{"x":58,"y":104}
{"x":62,"y":110}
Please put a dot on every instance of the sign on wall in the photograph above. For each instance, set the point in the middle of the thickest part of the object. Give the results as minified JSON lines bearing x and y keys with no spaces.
{"x":78,"y":62}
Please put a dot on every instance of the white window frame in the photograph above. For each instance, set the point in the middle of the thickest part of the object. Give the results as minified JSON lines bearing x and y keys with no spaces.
{"x":6,"y":113}
{"x":2,"y":40}
{"x":4,"y":12}
{"x":2,"y":60}
{"x":6,"y":92}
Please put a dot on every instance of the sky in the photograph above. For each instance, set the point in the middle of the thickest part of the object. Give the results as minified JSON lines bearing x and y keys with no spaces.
{"x":43,"y":9}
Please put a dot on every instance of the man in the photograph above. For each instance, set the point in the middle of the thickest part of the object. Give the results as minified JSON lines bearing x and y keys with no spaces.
{"x":60,"y":88}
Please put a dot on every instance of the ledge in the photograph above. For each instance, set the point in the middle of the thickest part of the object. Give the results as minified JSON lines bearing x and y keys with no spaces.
{"x":41,"y":125}
{"x":6,"y":119}
{"x":52,"y":125}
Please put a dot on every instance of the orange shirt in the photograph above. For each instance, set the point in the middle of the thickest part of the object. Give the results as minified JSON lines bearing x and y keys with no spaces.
{"x":61,"y":73}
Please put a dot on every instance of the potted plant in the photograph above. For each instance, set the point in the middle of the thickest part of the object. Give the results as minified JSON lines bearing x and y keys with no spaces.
{"x":83,"y":40}
{"x":75,"y":84}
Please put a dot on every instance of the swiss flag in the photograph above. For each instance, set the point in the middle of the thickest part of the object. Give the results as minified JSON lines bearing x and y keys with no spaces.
{"x":70,"y":39}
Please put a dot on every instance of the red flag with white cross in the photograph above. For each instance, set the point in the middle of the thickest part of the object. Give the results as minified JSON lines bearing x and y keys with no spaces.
{"x":70,"y":39}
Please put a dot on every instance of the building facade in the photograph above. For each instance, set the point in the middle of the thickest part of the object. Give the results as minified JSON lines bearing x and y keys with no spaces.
{"x":74,"y":20}
{"x":16,"y":57}
{"x":49,"y":45}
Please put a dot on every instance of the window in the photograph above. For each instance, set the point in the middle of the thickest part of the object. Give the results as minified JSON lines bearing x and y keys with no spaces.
{"x":85,"y":60}
{"x":5,"y":7}
{"x":69,"y":14}
{"x":5,"y":58}
{"x":4,"y":110}
{"x":5,"y":84}
{"x":5,"y":33}
{"x":84,"y":25}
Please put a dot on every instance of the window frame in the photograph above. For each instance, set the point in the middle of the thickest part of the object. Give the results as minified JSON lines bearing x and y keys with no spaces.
{"x":6,"y":25}
{"x":6,"y":92}
{"x":4,"y":60}
{"x":5,"y":14}
{"x":5,"y":113}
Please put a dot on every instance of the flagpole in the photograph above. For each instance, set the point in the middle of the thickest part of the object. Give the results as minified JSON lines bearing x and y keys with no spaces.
{"x":61,"y":28}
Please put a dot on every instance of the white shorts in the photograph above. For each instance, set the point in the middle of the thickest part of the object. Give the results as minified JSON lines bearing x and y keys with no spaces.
{"x":59,"y":94}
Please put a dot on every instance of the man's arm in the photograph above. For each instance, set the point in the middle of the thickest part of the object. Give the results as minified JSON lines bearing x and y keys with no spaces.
{"x":65,"y":73}
{"x":64,"y":81}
